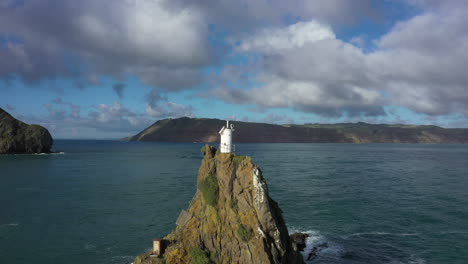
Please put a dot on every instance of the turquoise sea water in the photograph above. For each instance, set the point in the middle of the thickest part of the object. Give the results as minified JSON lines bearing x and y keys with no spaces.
{"x":104,"y":201}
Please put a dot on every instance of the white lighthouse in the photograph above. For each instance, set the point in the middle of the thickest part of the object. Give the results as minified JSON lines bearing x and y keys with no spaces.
{"x":226,"y":138}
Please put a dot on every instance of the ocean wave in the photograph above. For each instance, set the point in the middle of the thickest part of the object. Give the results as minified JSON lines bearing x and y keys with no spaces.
{"x":377,"y":233}
{"x":10,"y":224}
{"x":28,"y":189}
{"x":334,"y":252}
{"x":316,"y":239}
{"x":122,"y":259}
{"x":417,"y":261}
{"x":55,"y":153}
{"x":410,"y":261}
{"x":46,"y":154}
{"x":453,"y":232}
{"x":90,"y":247}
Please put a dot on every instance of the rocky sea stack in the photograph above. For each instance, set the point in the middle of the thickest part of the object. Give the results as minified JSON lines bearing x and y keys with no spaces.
{"x":231,"y":219}
{"x":17,"y":137}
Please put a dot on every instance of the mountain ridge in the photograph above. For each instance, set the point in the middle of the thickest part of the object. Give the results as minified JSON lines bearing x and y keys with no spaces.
{"x":187,"y":129}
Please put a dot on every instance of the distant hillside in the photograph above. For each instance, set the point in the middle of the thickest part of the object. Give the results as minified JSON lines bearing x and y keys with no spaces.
{"x":206,"y":130}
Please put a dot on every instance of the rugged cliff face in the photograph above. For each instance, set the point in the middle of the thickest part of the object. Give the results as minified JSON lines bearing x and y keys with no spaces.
{"x":18,"y":137}
{"x":206,"y":130}
{"x":231,"y":219}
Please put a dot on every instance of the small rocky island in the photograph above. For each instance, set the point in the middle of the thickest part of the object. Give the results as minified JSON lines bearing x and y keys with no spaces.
{"x":231,"y":219}
{"x":17,"y":137}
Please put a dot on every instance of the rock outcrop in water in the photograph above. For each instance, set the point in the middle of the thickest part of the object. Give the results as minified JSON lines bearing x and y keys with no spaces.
{"x":231,"y":219}
{"x":17,"y":137}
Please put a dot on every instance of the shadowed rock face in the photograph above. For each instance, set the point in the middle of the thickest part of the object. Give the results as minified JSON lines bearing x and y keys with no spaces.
{"x":206,"y":130}
{"x":231,"y":219}
{"x":17,"y":137}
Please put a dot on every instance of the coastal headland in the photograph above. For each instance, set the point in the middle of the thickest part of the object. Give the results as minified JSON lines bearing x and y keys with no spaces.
{"x":206,"y":130}
{"x":17,"y":137}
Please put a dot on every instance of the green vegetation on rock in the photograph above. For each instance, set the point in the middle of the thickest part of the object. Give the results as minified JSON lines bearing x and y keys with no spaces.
{"x":199,"y":256}
{"x":18,"y":137}
{"x":222,"y":222}
{"x":233,"y":203}
{"x":209,"y":188}
{"x":244,"y":233}
{"x":237,"y":160}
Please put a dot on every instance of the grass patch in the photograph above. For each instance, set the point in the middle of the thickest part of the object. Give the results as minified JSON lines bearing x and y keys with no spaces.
{"x":244,"y":233}
{"x":209,"y":188}
{"x":233,"y":204}
{"x":199,"y":256}
{"x":237,"y":160}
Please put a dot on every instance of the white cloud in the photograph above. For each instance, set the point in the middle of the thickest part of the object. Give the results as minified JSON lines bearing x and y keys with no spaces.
{"x":164,"y":43}
{"x":306,"y":68}
{"x":65,"y":120}
{"x":359,"y":41}
{"x":422,"y":62}
{"x":168,"y":109}
{"x":273,"y":40}
{"x":245,"y":15}
{"x":144,"y":38}
{"x":146,"y":30}
{"x":419,"y":64}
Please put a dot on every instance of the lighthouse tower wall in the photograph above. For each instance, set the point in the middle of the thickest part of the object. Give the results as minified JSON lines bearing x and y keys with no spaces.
{"x":225,"y":145}
{"x":226,"y":141}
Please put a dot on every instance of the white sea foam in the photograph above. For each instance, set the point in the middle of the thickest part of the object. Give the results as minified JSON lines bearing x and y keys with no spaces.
{"x":316,"y":239}
{"x":410,"y":261}
{"x":453,"y":232}
{"x":10,"y":224}
{"x":417,"y":261}
{"x":376,"y":233}
{"x":56,"y":153}
{"x":122,"y":259}
{"x":43,"y":154}
{"x":90,"y":247}
{"x":28,"y":189}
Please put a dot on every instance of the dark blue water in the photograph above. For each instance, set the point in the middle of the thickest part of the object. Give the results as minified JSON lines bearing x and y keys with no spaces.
{"x":104,"y":201}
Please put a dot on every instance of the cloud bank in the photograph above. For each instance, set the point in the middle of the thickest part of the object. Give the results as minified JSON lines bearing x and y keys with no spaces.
{"x":419,"y":64}
{"x":266,"y":55}
{"x":83,"y":40}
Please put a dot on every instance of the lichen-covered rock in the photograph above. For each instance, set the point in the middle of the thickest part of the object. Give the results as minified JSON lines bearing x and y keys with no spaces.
{"x":231,"y":219}
{"x":17,"y":137}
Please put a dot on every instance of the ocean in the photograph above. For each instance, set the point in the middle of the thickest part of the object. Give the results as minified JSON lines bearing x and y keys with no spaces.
{"x":104,"y":201}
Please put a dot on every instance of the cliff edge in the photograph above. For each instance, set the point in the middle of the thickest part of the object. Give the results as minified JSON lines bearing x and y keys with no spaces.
{"x":17,"y":137}
{"x":231,"y":219}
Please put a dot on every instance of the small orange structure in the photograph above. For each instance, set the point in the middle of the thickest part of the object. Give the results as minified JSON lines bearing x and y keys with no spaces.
{"x":159,"y":246}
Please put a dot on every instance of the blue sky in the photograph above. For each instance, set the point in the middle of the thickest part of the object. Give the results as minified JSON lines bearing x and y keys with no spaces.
{"x":108,"y":69}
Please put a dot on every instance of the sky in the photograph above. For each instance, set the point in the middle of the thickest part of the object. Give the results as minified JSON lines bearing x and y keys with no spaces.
{"x":110,"y":68}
